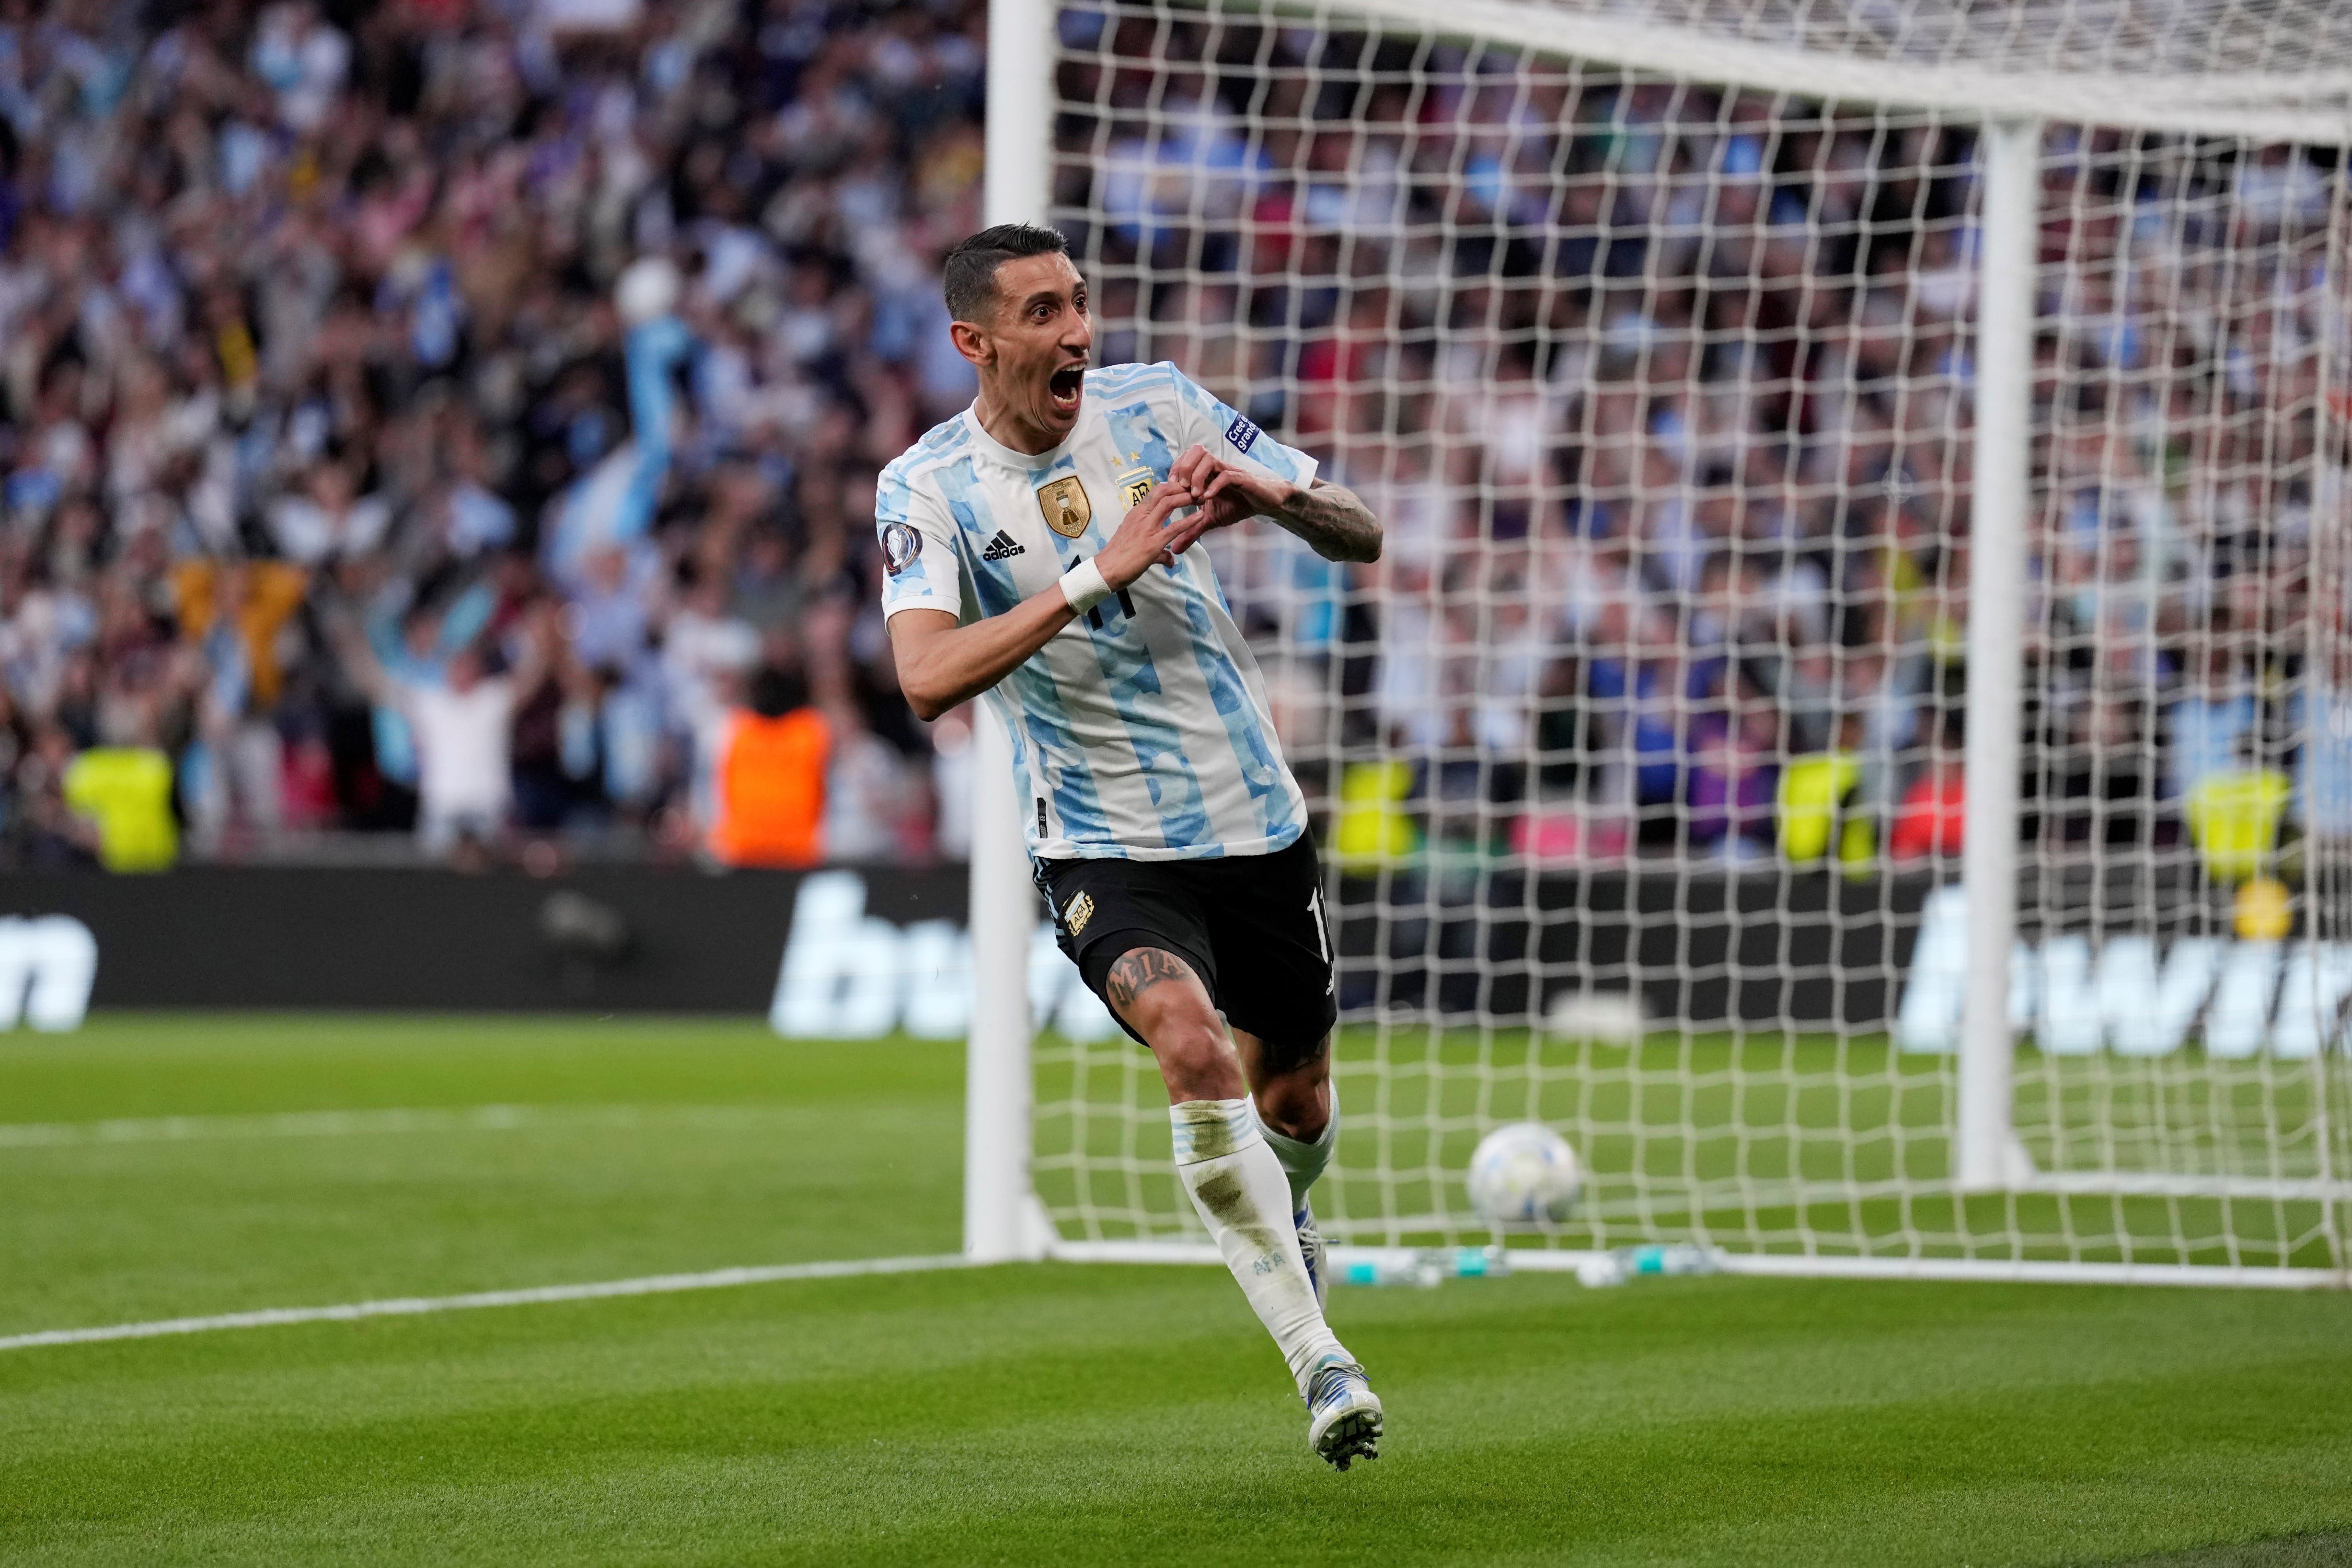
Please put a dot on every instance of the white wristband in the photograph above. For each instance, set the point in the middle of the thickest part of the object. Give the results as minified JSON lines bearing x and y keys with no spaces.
{"x":1084,"y":586}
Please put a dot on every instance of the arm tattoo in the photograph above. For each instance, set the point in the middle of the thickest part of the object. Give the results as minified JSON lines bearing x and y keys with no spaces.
{"x":1137,"y":971}
{"x":1335,"y":521}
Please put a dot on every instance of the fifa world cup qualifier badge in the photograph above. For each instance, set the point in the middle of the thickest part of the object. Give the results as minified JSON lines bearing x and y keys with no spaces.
{"x":900,"y":545}
{"x":1068,"y":510}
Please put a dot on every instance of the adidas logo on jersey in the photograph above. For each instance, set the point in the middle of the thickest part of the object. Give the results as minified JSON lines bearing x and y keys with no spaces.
{"x":1001,"y":548}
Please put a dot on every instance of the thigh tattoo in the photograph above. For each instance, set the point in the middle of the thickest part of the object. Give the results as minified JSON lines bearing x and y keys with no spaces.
{"x":1138,"y":971}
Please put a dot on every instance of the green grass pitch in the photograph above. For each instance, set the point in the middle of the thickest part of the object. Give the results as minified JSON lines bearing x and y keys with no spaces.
{"x":1022,"y":1415}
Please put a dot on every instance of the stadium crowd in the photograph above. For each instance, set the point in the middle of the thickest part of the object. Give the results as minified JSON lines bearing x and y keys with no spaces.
{"x":462,"y":418}
{"x":328,"y":473}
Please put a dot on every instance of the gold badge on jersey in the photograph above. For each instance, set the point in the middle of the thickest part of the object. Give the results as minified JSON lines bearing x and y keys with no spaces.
{"x":1134,"y":485}
{"x":1068,"y":510}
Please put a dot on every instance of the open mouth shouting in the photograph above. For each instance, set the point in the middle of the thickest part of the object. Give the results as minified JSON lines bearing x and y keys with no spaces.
{"x":1065,"y":386}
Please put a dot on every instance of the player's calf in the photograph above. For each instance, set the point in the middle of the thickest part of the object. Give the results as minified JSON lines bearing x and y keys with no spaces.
{"x":1238,"y":1191}
{"x":1298,"y":1114}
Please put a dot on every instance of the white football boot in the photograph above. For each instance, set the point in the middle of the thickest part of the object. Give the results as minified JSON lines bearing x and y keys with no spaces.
{"x":1343,"y":1414}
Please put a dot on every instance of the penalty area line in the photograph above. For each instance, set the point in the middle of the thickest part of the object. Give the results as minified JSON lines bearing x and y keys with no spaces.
{"x":416,"y":1305}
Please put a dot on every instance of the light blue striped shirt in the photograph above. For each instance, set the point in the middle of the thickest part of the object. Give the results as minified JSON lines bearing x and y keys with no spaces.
{"x":1141,"y":730}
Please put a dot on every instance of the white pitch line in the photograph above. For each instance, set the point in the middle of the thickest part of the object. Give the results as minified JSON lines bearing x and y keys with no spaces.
{"x":415,"y":1306}
{"x":357,"y":1124}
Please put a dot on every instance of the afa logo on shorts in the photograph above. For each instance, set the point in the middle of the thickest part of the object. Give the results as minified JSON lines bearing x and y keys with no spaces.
{"x":1242,"y":433}
{"x":1077,"y":912}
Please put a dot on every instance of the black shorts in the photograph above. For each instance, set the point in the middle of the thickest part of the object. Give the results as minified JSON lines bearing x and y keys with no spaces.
{"x":1251,"y":926}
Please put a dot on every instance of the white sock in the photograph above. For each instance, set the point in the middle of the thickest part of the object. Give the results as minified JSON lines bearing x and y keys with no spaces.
{"x":1302,"y":1162}
{"x":1237,"y":1187}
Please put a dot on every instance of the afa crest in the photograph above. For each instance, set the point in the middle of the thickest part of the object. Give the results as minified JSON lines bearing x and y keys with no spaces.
{"x":1068,"y":510}
{"x":1135,"y":485}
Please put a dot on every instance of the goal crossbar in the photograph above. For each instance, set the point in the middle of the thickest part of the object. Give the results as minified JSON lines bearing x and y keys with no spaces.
{"x":2313,"y":107}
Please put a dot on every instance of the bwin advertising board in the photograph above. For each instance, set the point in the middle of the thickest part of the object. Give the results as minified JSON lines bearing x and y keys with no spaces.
{"x":48,"y":965}
{"x":2239,"y":998}
{"x":850,"y":976}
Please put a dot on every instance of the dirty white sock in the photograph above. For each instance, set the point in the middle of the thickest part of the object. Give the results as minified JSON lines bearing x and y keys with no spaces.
{"x":1302,"y":1161}
{"x":1237,"y":1187}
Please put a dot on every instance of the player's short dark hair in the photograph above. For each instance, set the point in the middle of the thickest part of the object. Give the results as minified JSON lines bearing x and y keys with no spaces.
{"x":969,"y":270}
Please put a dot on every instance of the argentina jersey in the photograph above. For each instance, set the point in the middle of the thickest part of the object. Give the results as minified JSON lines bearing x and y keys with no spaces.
{"x":1141,"y":730}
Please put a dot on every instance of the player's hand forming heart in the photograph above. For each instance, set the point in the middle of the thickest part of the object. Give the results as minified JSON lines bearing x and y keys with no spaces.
{"x":1228,"y":493}
{"x":1145,"y":536}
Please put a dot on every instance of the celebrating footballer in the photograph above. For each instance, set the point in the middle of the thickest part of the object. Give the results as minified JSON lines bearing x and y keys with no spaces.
{"x":1037,"y":549}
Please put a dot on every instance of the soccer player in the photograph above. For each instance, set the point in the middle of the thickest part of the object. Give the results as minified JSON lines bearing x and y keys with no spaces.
{"x":1036,"y":550}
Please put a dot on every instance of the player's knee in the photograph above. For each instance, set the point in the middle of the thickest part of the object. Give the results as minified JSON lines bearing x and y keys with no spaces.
{"x":1297,"y":1104}
{"x":1197,"y":1065}
{"x":1196,"y":1057}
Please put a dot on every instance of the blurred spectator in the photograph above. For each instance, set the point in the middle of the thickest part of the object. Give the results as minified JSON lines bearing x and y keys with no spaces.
{"x":768,"y":793}
{"x":125,"y":792}
{"x":1932,"y":820}
{"x":238,"y":615}
{"x":1733,"y":778}
{"x":2233,"y":820}
{"x":951,"y":768}
{"x":463,"y":720}
{"x":1822,"y":806}
{"x":2212,"y":721}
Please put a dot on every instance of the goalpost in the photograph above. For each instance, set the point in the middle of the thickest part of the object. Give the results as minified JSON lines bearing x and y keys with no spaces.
{"x":1854,"y":726}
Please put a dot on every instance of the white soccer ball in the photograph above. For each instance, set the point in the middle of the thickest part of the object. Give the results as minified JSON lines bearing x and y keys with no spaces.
{"x":1523,"y":1173}
{"x":648,"y":287}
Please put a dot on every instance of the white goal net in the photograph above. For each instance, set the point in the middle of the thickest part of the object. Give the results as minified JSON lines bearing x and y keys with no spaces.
{"x":1655,"y":334}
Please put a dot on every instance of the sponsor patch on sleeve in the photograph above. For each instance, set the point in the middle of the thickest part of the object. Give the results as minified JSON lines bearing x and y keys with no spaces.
{"x":1242,"y":433}
{"x":900,"y":545}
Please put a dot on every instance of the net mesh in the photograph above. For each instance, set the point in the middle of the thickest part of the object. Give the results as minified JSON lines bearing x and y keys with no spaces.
{"x":1635,"y":760}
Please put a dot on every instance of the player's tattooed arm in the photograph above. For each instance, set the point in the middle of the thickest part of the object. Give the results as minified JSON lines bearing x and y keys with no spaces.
{"x":1137,"y":971}
{"x":1334,"y":520}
